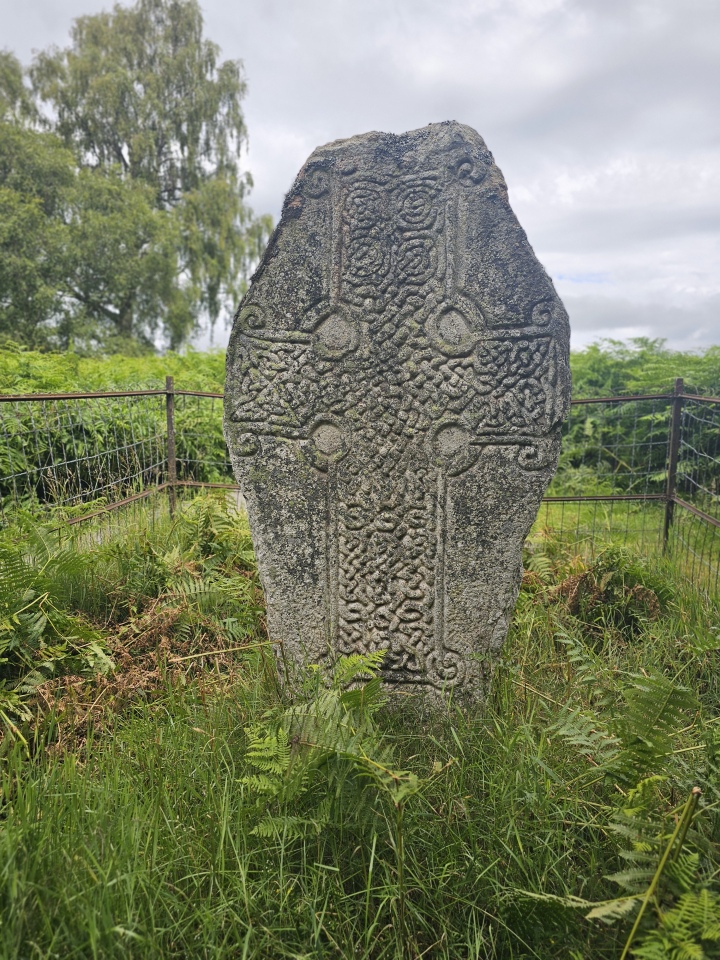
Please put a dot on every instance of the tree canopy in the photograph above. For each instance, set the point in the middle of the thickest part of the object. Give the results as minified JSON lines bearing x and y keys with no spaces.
{"x":123,"y":211}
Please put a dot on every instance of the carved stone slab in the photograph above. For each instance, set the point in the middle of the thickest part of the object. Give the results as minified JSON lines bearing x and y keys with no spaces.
{"x":396,"y":380}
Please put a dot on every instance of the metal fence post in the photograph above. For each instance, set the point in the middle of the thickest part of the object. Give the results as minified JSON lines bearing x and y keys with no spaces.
{"x":171,"y":455}
{"x":673,"y":451}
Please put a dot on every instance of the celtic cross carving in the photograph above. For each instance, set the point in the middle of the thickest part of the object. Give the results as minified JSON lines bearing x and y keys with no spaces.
{"x":398,"y":369}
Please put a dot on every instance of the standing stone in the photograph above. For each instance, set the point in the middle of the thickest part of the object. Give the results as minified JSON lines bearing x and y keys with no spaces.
{"x":396,"y":381}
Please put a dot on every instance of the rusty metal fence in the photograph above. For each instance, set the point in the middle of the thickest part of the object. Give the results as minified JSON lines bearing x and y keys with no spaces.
{"x":638,"y":470}
{"x":81,"y":455}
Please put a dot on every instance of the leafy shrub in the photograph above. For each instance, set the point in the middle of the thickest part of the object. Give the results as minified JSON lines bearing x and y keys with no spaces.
{"x":616,"y":590}
{"x":40,"y":637}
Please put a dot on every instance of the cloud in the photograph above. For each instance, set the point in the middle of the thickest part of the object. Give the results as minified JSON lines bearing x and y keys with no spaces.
{"x":594,"y":317}
{"x":601,"y":113}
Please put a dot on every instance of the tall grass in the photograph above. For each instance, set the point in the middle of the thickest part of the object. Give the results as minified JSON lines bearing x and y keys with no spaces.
{"x":209,"y":814}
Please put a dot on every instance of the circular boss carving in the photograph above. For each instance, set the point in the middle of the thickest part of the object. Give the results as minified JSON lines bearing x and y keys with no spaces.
{"x":452,"y":439}
{"x":451,"y":332}
{"x":452,"y":442}
{"x":328,"y":443}
{"x":336,"y":335}
{"x":327,"y":438}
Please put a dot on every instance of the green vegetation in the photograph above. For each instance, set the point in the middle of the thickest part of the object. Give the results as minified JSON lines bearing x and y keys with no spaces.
{"x":180,"y":804}
{"x":32,"y":371}
{"x":123,"y":210}
{"x":114,"y":448}
{"x":67,"y":607}
{"x":609,"y":368}
{"x":613,"y":368}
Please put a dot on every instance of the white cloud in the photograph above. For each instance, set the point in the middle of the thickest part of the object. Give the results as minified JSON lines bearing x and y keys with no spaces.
{"x":596,"y":317}
{"x":601,"y":113}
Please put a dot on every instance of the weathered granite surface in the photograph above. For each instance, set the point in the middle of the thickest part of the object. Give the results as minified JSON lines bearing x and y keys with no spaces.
{"x":396,"y":380}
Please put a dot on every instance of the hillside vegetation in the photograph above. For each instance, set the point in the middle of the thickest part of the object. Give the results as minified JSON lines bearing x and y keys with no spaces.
{"x":161,"y":796}
{"x":608,"y":368}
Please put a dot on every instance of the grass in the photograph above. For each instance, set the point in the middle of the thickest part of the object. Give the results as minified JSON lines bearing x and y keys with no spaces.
{"x":590,"y":527}
{"x":183,"y":806}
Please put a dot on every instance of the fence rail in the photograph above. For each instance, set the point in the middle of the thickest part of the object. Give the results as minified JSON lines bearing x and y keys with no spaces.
{"x":639,"y":469}
{"x":83,"y":454}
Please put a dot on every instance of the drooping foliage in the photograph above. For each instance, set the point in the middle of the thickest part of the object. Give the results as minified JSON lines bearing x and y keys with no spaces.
{"x":143,"y":231}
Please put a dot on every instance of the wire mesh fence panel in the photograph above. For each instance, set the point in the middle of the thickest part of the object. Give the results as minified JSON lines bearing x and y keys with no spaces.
{"x":123,"y":518}
{"x":694,"y":546}
{"x":593,"y":524}
{"x":694,"y":534}
{"x":698,"y":472}
{"x":614,"y":447}
{"x":71,"y":451}
{"x":615,"y":481}
{"x":202,"y":455}
{"x":610,"y":482}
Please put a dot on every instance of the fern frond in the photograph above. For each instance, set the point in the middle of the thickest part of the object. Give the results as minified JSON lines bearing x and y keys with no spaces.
{"x":541,"y":565}
{"x":634,"y":881}
{"x":366,"y":697}
{"x":268,"y":752}
{"x":260,"y":783}
{"x":655,"y":709}
{"x":286,"y":826}
{"x":683,"y":871}
{"x":687,"y":931}
{"x":589,"y":669}
{"x":357,"y":667}
{"x":612,"y":910}
{"x":588,"y":733}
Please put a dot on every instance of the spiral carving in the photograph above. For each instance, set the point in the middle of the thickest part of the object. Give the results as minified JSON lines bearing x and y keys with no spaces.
{"x":417,"y":206}
{"x":368,"y":258}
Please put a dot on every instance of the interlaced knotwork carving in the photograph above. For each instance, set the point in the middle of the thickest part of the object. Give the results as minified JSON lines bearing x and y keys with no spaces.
{"x":390,"y":386}
{"x":391,"y":233}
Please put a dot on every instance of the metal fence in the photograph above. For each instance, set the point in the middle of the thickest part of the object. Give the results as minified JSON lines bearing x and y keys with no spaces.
{"x":643,"y":471}
{"x":80,"y":455}
{"x":640,"y":470}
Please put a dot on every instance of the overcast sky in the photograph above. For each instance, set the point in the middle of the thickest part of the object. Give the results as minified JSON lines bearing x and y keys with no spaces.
{"x":604,"y":116}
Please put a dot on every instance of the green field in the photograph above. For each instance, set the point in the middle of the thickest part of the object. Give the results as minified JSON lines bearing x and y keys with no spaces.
{"x":161,"y":797}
